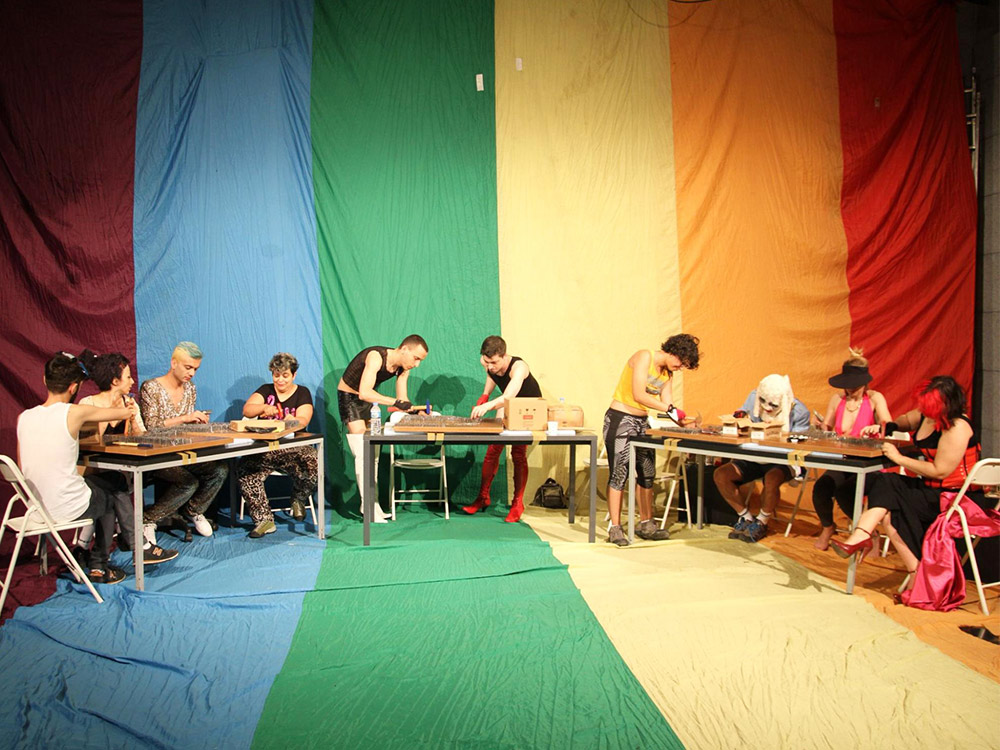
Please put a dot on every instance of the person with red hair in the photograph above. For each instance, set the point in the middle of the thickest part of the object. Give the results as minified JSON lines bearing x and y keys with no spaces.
{"x":907,"y":505}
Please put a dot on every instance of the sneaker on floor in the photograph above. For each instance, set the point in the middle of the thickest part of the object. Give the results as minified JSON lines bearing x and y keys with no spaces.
{"x":110,"y":576}
{"x":153,"y":554}
{"x":755,"y":531}
{"x":742,"y":524}
{"x":264,"y":527}
{"x":649,"y":530}
{"x":149,"y":532}
{"x":298,"y":510}
{"x":617,"y":536}
{"x":201,"y":525}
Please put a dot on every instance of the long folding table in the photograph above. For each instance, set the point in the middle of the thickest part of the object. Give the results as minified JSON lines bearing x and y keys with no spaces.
{"x":811,"y":454}
{"x":138,"y":461}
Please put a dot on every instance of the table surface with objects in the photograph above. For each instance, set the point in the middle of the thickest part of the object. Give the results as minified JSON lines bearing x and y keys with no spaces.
{"x":141,"y":454}
{"x":453,"y":434}
{"x":808,"y":451}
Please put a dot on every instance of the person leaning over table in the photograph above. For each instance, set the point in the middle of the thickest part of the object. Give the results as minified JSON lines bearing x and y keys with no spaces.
{"x":282,"y":398}
{"x":48,"y":450}
{"x":856,"y":411}
{"x":113,"y":376}
{"x":907,"y":505}
{"x":512,"y":375}
{"x":646,"y":383}
{"x":169,"y":401}
{"x":356,"y":393}
{"x":772,"y":400}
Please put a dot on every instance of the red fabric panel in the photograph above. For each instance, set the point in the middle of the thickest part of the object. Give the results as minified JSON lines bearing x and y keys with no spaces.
{"x":908,"y":201}
{"x":69,"y":77}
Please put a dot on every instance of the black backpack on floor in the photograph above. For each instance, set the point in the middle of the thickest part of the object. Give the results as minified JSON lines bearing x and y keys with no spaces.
{"x":550,"y":495}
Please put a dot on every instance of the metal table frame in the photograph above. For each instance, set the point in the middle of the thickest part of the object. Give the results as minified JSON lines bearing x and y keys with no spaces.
{"x":375,"y":442}
{"x":139,"y":465}
{"x":764,"y":455}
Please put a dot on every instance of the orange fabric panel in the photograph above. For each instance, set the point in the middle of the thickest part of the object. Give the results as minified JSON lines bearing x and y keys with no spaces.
{"x":758,"y":174}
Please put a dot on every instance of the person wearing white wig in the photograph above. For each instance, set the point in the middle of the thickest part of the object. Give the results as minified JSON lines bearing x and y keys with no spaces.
{"x":772,"y":401}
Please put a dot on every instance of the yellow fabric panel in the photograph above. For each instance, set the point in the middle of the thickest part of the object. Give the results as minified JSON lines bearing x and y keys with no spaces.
{"x":740,"y":646}
{"x":758,"y":164}
{"x":586,"y":209}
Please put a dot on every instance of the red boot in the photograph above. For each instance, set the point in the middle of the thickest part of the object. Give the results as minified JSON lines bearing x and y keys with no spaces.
{"x":490,"y":464}
{"x":516,"y":509}
{"x":520,"y":455}
{"x":481,"y":502}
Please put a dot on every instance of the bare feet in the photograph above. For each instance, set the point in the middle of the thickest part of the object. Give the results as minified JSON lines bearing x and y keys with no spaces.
{"x":825,"y":535}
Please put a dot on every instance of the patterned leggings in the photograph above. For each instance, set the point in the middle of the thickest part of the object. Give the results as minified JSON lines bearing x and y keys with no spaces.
{"x":619,"y":429}
{"x":197,"y":485}
{"x":298,"y":463}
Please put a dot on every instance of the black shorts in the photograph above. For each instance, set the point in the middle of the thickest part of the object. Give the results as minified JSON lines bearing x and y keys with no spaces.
{"x":352,"y":408}
{"x":751,"y":471}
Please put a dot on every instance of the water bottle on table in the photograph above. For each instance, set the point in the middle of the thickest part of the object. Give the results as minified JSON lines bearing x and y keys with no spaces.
{"x":376,"y":420}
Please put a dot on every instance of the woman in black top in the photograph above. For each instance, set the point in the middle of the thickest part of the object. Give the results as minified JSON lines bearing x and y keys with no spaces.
{"x":280,"y":399}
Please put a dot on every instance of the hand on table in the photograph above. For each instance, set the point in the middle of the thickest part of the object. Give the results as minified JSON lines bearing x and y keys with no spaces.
{"x":269,"y":410}
{"x":479,"y":410}
{"x":198,"y":417}
{"x":871,"y":431}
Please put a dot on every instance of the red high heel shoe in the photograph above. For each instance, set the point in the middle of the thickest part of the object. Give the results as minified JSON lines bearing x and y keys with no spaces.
{"x":480,"y":504}
{"x":861,"y":548}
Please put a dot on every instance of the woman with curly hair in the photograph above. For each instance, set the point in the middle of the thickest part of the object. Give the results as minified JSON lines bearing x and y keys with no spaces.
{"x":646,"y":383}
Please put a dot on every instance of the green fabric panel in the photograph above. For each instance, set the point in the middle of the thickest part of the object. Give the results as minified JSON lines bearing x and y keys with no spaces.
{"x":404,"y":171}
{"x":461,"y":633}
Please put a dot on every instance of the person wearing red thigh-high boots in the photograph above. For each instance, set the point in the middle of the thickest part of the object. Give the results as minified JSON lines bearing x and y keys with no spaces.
{"x":512,"y":376}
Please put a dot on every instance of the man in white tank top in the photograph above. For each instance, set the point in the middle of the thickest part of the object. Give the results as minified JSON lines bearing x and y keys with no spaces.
{"x":48,"y":447}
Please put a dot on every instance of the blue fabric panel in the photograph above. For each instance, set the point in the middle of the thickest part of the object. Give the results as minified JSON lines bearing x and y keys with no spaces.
{"x":224,"y":228}
{"x":186,"y":664}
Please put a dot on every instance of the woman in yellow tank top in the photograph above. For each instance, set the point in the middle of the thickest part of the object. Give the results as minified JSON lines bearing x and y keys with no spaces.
{"x":645,"y":383}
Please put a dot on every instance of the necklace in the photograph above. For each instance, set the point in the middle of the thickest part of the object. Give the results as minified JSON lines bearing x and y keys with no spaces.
{"x":848,"y":407}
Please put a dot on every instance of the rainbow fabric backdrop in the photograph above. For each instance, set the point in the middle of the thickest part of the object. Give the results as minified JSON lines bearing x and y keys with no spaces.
{"x":781,"y":178}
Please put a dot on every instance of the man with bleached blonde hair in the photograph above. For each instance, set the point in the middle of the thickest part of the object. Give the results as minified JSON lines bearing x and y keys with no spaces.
{"x":167,"y":401}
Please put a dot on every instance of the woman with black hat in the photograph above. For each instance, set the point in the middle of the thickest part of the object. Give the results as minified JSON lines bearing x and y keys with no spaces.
{"x":856,"y":412}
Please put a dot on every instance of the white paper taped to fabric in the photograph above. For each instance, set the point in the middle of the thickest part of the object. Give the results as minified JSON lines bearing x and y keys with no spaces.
{"x":479,"y":81}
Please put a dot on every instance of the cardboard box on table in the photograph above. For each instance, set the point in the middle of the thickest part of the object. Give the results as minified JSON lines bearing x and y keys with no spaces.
{"x":746,"y":427}
{"x":566,"y":415}
{"x":525,"y":413}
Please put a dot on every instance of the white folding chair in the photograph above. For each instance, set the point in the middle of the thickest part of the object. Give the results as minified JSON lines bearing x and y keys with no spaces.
{"x":311,"y":505}
{"x":36,"y":522}
{"x":438,"y":494}
{"x":985,"y":473}
{"x":674,"y":474}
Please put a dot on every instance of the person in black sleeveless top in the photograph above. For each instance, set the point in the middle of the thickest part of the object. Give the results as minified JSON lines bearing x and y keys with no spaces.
{"x":356,"y":393}
{"x":907,"y":505}
{"x":512,"y":376}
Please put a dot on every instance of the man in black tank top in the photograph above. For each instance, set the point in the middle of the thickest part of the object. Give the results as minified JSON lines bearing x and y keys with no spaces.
{"x":356,"y":393}
{"x":512,"y":376}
